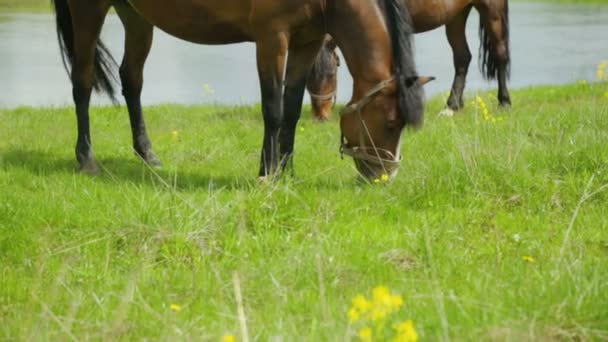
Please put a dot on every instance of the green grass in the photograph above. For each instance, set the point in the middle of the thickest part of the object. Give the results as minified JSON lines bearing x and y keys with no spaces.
{"x":25,"y":5}
{"x":104,"y":257}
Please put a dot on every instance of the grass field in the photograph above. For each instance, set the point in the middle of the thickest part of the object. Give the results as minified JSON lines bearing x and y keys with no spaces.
{"x":493,"y":229}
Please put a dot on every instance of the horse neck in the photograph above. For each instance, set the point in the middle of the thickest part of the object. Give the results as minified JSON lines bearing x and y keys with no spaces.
{"x":359,"y":31}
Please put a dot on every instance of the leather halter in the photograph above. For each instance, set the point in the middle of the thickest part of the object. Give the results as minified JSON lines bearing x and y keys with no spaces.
{"x":362,"y":153}
{"x":324,"y":98}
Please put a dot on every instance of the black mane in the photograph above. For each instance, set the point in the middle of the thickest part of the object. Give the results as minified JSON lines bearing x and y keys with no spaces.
{"x":410,"y":96}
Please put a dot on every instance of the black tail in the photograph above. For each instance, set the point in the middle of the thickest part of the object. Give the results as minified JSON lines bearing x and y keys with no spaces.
{"x":105,"y":65}
{"x":410,"y":95}
{"x":487,"y":59}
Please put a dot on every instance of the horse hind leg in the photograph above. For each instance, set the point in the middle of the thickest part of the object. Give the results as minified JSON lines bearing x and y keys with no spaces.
{"x":87,"y":22}
{"x":455,"y":32}
{"x":138,"y":41}
{"x":495,"y":50}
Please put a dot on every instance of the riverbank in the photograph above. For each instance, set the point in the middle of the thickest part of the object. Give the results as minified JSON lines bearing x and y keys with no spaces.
{"x":494,"y":229}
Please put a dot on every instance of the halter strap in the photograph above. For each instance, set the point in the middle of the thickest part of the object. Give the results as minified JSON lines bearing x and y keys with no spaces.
{"x":368,"y":97}
{"x":323,"y":98}
{"x":362,"y":152}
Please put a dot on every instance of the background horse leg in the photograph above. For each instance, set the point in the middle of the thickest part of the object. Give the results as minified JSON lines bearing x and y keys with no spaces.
{"x":271,"y":56}
{"x":299,"y":65}
{"x":138,"y":41}
{"x":455,"y":32}
{"x":87,"y":20}
{"x":494,"y":34}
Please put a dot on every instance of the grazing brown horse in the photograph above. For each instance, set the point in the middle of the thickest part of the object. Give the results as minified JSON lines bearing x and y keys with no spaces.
{"x":427,"y":15}
{"x":373,"y":35}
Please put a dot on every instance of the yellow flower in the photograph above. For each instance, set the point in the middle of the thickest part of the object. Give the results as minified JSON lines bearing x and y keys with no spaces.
{"x":353,"y":315}
{"x":384,"y":177}
{"x":228,"y":338}
{"x":405,"y":332}
{"x":302,"y":129}
{"x":365,"y":334}
{"x":376,"y":180}
{"x":582,"y":82}
{"x":175,"y":307}
{"x":208,"y":89}
{"x":361,"y":304}
{"x":529,"y":259}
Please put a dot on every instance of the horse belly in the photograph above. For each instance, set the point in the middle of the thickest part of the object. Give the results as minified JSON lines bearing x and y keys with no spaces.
{"x":430,"y":14}
{"x":198,"y":21}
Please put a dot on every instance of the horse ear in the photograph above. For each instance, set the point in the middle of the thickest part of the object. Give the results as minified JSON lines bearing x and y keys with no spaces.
{"x":421,"y":80}
{"x":329,"y":42}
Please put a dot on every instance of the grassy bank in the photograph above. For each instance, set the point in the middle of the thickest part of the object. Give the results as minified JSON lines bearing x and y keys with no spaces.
{"x":25,"y":5}
{"x":495,"y":228}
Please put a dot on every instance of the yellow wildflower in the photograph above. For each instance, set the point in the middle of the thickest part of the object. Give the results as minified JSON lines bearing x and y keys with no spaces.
{"x":405,"y":332}
{"x":175,"y":133}
{"x":582,"y":82}
{"x":376,"y":180}
{"x":365,"y":334}
{"x":384,"y":177}
{"x":208,"y":89}
{"x":228,"y":338}
{"x":529,"y":259}
{"x":175,"y":307}
{"x":361,"y":304}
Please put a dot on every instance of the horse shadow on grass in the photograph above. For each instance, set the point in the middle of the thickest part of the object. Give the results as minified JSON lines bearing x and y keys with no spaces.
{"x":120,"y":170}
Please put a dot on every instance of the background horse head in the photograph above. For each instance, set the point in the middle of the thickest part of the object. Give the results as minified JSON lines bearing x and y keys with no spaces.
{"x":322,"y":82}
{"x":494,"y":50}
{"x":374,"y":37}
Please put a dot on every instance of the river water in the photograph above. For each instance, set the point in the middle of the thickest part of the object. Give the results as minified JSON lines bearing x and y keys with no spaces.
{"x":551,"y":44}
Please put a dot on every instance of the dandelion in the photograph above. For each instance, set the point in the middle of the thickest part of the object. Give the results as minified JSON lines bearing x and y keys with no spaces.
{"x":208,"y":89}
{"x":175,"y":307}
{"x":376,"y":180}
{"x":373,"y":317}
{"x":405,"y":332}
{"x":516,"y":237}
{"x":228,"y":338}
{"x":601,"y":71}
{"x":529,"y":259}
{"x":384,"y":177}
{"x":365,"y":334}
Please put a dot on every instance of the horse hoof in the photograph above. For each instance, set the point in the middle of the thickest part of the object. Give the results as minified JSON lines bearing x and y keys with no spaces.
{"x":154,"y":162}
{"x":446,"y":112}
{"x":151,"y":160}
{"x":89,"y":168}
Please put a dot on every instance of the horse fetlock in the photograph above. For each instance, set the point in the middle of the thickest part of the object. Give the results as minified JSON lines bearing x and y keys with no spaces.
{"x":149,"y":157}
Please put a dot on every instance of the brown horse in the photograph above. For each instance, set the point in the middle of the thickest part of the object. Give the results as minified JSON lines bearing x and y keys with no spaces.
{"x":426,"y":15}
{"x":373,"y":35}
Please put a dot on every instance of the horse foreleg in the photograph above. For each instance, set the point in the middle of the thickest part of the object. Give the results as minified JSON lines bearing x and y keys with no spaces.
{"x":87,"y":21}
{"x":138,"y":41}
{"x":299,"y":64}
{"x":271,"y":56}
{"x":455,"y":32}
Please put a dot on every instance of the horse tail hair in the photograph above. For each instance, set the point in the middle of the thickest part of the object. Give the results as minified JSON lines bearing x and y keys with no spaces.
{"x":104,"y":64}
{"x":488,"y":61}
{"x":410,"y":95}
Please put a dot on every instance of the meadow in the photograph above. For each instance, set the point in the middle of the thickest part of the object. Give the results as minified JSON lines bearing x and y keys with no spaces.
{"x":494,"y":229}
